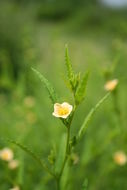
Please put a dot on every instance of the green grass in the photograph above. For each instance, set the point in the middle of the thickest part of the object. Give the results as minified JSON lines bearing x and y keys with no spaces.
{"x":40,"y":131}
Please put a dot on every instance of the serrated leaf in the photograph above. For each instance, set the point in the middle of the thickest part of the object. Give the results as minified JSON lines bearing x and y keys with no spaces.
{"x":49,"y":87}
{"x":76,"y":82}
{"x":81,"y":90}
{"x":70,"y":72}
{"x":29,"y":152}
{"x":89,"y":117}
{"x":67,"y":83}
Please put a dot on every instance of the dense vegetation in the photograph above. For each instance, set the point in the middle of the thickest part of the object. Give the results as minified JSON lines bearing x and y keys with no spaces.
{"x":34,"y":35}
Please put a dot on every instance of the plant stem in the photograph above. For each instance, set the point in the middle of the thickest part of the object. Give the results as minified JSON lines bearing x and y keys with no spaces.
{"x":58,"y":184}
{"x":67,"y":152}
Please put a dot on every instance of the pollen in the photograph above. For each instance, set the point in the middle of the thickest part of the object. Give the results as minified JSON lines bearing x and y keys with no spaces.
{"x":63,"y":111}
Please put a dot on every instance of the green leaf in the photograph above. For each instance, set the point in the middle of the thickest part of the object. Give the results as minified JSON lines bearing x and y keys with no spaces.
{"x":29,"y":152}
{"x":73,"y":78}
{"x":70,"y":72}
{"x":76,"y":82}
{"x":81,"y":90}
{"x":89,"y":117}
{"x":49,"y":87}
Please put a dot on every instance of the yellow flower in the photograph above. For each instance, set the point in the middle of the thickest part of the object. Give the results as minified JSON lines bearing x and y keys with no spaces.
{"x":111,"y":85}
{"x":62,"y":110}
{"x":15,"y":188}
{"x":13,"y":164}
{"x":6,"y":154}
{"x":120,"y":158}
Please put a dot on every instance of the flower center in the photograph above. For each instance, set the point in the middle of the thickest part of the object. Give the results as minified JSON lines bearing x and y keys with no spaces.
{"x":63,"y":111}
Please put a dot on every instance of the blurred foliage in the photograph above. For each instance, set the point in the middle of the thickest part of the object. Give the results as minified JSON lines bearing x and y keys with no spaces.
{"x":18,"y":20}
{"x":34,"y":33}
{"x":16,"y":45}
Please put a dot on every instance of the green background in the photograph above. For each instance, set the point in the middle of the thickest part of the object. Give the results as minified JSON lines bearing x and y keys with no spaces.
{"x":34,"y":34}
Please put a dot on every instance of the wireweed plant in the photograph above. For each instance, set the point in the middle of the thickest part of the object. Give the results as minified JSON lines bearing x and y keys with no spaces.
{"x":65,"y":112}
